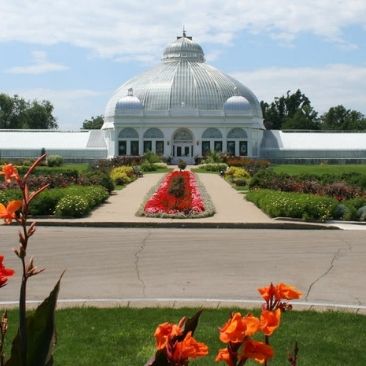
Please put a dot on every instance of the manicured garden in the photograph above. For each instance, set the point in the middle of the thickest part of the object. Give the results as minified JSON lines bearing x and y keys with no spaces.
{"x":74,"y":190}
{"x":310,"y":192}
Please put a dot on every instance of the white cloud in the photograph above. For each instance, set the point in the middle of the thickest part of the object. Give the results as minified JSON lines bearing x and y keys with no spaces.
{"x":325,"y":86}
{"x":129,"y":28}
{"x":40,"y":65}
{"x":72,"y":106}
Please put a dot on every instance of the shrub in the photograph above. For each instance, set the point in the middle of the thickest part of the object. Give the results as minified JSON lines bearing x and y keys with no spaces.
{"x":123,"y":175}
{"x":361,"y":213}
{"x":55,"y":160}
{"x":240,"y":182}
{"x":46,"y":202}
{"x":235,"y":172}
{"x":214,"y":167}
{"x":151,"y":157}
{"x":252,"y":166}
{"x":296,"y":205}
{"x":72,"y":206}
{"x":98,"y":178}
{"x":213,"y":157}
{"x":148,"y":167}
{"x":182,"y":164}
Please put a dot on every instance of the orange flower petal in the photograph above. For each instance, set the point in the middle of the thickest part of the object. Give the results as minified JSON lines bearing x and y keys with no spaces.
{"x":258,"y":351}
{"x":270,"y":321}
{"x":287,"y":292}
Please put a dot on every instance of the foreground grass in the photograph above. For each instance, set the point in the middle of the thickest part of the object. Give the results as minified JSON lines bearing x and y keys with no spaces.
{"x":124,"y":336}
{"x":295,"y":169}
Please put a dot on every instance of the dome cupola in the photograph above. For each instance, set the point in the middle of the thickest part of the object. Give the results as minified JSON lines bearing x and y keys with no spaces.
{"x":129,"y":104}
{"x":237,"y":104}
{"x":184,"y":49}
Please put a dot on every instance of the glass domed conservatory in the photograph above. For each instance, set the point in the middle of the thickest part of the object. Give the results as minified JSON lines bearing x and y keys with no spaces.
{"x":183,"y":108}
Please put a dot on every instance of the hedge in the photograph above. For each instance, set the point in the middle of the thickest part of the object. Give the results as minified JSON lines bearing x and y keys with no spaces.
{"x":296,"y":205}
{"x":46,"y":202}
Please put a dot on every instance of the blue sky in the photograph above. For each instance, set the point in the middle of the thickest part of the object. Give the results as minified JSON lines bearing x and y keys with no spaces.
{"x":76,"y":53}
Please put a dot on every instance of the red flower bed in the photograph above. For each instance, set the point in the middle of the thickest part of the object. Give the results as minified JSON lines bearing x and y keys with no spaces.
{"x":164,"y":202}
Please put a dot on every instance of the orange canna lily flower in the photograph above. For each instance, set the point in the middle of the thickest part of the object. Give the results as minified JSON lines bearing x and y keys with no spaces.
{"x":287,"y":292}
{"x":9,"y":172}
{"x":270,"y":321}
{"x":187,"y":349}
{"x":164,"y":332}
{"x":5,"y":273}
{"x":267,"y":292}
{"x":8,"y":213}
{"x":257,"y":351}
{"x":224,"y":355}
{"x":238,"y":327}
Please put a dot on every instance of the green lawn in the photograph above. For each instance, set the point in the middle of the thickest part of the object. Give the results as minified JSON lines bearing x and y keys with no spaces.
{"x":124,"y":337}
{"x":295,"y":169}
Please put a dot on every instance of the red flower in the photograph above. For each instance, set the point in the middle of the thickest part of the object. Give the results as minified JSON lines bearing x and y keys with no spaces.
{"x":5,"y":273}
{"x":9,"y":172}
{"x":164,"y":202}
{"x":8,"y":213}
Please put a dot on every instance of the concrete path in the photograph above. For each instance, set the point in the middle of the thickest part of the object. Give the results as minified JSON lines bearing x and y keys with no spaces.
{"x":231,"y":207}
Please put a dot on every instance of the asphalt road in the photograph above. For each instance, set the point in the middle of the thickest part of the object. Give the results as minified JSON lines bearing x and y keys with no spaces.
{"x":119,"y":265}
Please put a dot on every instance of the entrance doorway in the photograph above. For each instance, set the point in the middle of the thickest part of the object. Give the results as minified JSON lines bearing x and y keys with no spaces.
{"x":183,"y":146}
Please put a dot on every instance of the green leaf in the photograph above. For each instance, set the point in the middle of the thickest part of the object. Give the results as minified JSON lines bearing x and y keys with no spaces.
{"x":41,"y":334}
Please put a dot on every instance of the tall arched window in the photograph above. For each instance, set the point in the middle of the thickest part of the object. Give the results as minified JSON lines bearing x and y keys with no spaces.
{"x":128,"y":142}
{"x":154,"y":141}
{"x":237,"y":142}
{"x":211,"y":141}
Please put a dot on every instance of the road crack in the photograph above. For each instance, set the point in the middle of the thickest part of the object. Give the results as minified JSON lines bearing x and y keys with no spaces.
{"x":138,"y":256}
{"x":338,"y":254}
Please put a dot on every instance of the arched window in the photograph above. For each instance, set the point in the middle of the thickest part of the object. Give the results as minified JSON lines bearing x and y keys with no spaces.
{"x":128,"y":133}
{"x":212,"y":133}
{"x":153,"y":133}
{"x":237,"y":142}
{"x":183,"y":135}
{"x":237,"y":133}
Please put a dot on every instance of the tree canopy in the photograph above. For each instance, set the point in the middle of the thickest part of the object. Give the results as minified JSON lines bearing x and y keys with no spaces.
{"x":294,"y":111}
{"x":290,"y":111}
{"x":94,"y":123}
{"x":18,"y":113}
{"x":340,"y":118}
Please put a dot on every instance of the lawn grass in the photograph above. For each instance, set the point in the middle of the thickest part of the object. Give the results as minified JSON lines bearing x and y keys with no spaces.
{"x":295,"y":169}
{"x":124,"y":336}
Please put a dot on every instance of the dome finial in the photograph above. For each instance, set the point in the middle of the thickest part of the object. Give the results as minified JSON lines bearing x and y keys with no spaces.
{"x":184,"y":32}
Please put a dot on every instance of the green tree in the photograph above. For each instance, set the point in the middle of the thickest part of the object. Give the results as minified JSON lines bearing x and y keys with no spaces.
{"x":15,"y":112}
{"x":290,"y":111}
{"x":94,"y":123}
{"x":340,"y":118}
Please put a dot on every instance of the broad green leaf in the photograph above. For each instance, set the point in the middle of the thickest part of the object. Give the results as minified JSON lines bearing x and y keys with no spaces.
{"x":40,"y":334}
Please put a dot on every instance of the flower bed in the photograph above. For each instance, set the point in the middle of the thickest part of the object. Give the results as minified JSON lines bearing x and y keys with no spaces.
{"x":178,"y":195}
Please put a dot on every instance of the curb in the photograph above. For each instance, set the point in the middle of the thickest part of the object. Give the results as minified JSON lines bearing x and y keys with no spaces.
{"x":191,"y":225}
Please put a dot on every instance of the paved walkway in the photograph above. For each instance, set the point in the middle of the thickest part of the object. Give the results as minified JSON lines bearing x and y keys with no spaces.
{"x":232,"y":210}
{"x":230,"y":205}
